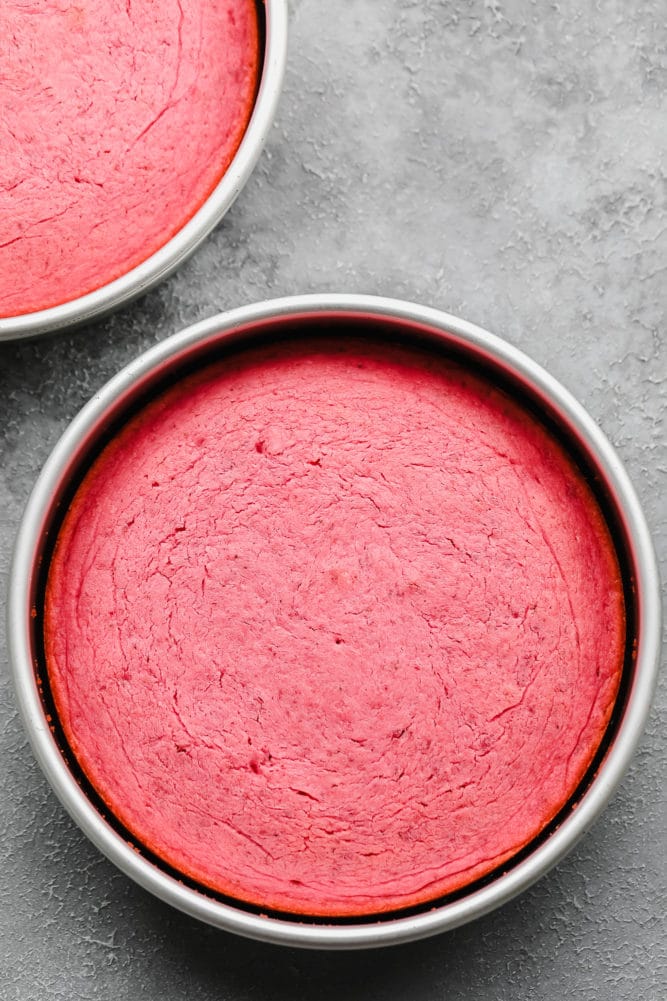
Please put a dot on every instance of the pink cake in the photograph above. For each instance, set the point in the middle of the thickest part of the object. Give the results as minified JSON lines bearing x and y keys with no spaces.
{"x":334,"y":629}
{"x":117,"y":120}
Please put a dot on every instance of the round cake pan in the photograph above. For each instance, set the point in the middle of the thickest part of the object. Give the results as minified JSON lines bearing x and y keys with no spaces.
{"x":393,"y":319}
{"x":164,"y":261}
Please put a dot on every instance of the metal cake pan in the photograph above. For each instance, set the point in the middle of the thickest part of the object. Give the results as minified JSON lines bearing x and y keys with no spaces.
{"x":391,"y":318}
{"x":170,"y":256}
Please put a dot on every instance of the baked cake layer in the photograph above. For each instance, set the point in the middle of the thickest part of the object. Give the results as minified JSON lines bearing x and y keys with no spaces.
{"x":334,"y":628}
{"x":117,"y":120}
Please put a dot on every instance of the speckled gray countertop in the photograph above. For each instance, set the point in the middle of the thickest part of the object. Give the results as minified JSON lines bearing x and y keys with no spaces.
{"x":503,"y":160}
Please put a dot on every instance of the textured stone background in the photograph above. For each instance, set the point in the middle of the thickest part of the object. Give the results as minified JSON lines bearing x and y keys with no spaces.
{"x":504,"y":160}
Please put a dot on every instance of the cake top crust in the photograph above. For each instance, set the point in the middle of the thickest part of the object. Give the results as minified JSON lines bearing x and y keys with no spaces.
{"x":334,"y":628}
{"x":117,"y":121}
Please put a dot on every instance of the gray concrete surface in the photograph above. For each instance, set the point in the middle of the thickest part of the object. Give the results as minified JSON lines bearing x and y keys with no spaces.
{"x":504,"y":160}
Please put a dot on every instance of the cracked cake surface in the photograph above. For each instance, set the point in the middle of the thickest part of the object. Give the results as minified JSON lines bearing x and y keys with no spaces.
{"x":117,"y":120}
{"x":334,"y":628}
